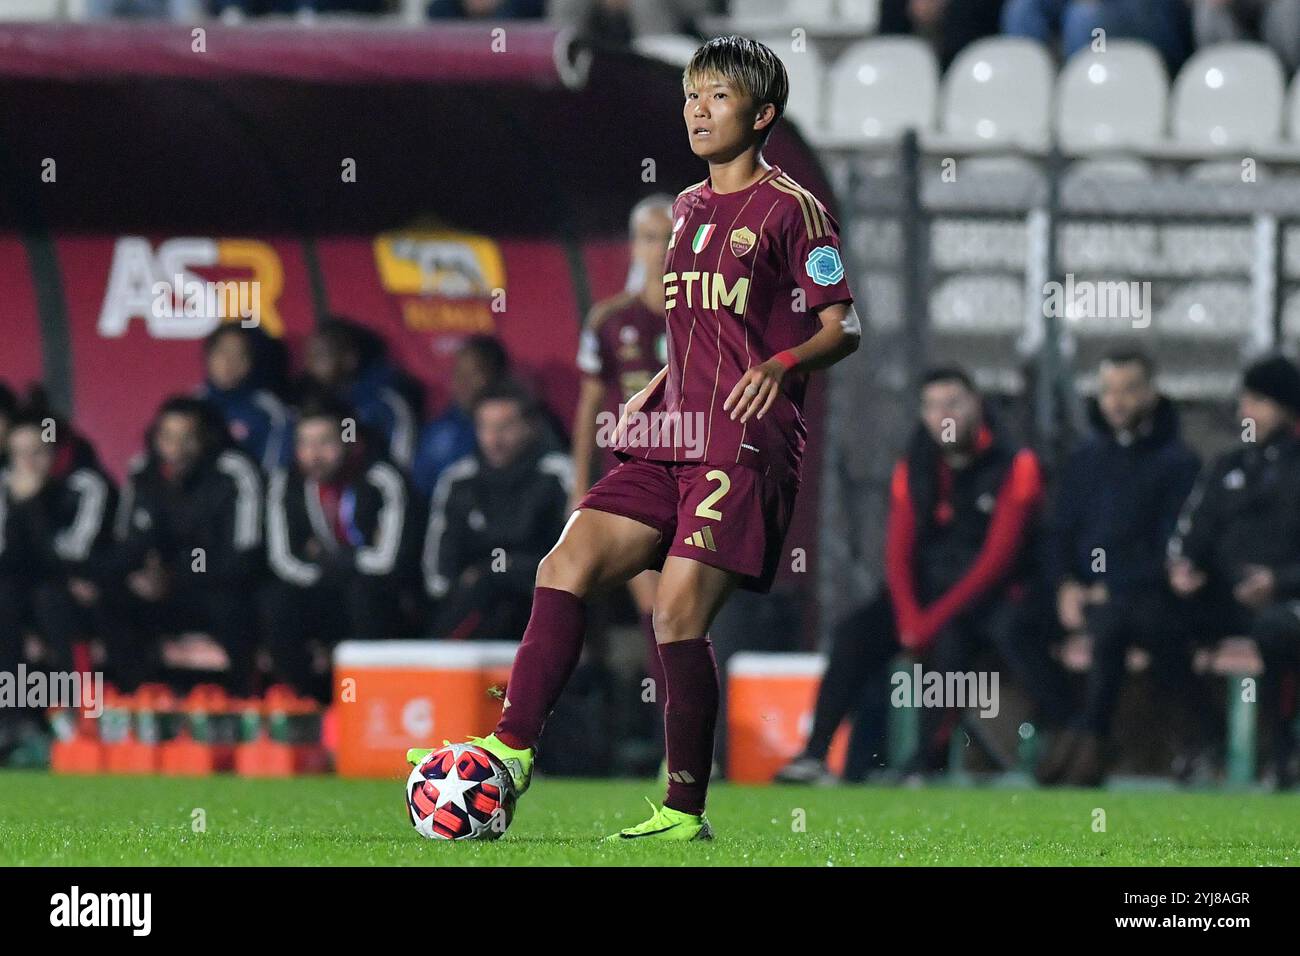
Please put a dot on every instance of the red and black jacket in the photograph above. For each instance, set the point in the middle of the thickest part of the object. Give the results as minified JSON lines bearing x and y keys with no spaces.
{"x":959,"y":536}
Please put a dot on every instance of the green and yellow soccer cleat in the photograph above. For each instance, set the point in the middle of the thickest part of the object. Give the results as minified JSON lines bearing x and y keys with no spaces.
{"x":666,"y":824}
{"x":518,"y":763}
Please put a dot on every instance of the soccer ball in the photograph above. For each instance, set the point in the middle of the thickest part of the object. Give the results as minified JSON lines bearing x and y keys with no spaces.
{"x":460,"y":792}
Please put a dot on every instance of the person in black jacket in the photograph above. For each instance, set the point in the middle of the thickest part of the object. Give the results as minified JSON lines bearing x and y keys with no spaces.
{"x":495,"y":514}
{"x":189,"y":531}
{"x":959,"y":574}
{"x":55,"y":549}
{"x":1116,"y":503}
{"x":341,"y":540}
{"x":1236,"y":550}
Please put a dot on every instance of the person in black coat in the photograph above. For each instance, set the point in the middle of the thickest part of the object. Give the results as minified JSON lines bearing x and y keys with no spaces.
{"x":189,"y":545}
{"x":341,"y":540}
{"x":1115,"y":507}
{"x":494,"y":516}
{"x":1235,"y":554}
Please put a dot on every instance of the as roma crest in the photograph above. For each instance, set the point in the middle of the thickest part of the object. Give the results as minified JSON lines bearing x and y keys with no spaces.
{"x":742,"y":240}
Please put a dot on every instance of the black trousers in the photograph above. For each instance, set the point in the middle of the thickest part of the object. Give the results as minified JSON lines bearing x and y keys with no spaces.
{"x":225,"y":612}
{"x":866,"y":641}
{"x":1158,"y":623}
{"x":486,"y":610}
{"x":47,"y":607}
{"x":1275,"y":628}
{"x":342,"y":606}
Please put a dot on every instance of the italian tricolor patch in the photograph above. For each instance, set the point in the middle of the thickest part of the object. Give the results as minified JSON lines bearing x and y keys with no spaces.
{"x":702,"y":236}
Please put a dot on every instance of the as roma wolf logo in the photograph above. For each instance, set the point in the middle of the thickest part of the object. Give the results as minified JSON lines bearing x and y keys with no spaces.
{"x":742,"y":240}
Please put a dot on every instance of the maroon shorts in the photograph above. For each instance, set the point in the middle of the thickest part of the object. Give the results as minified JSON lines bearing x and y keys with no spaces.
{"x":730,"y":517}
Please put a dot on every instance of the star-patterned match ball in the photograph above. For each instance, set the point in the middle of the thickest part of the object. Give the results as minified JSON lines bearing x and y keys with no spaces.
{"x":460,"y":792}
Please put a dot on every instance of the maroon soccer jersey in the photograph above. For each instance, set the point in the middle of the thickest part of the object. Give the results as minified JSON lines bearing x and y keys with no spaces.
{"x":744,"y":273}
{"x":623,"y":345}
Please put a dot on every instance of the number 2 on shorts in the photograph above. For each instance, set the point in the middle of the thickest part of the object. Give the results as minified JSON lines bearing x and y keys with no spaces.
{"x":705,"y":508}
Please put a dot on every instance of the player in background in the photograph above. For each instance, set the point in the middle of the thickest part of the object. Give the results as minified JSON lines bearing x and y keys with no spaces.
{"x":623,"y":346}
{"x":755,"y":299}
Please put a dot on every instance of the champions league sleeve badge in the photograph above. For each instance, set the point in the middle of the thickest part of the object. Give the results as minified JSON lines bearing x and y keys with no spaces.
{"x":824,"y":266}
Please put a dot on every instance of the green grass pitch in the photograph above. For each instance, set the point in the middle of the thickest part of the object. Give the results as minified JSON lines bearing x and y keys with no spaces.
{"x":80,"y":821}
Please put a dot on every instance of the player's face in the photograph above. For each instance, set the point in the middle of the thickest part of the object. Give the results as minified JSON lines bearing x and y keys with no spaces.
{"x":651,"y":231}
{"x":950,"y":412}
{"x":1267,"y":414}
{"x":28,"y":455}
{"x":719,"y":118}
{"x":1125,"y":395}
{"x":229,"y":362}
{"x":177,"y":442}
{"x":502,"y":431}
{"x":319,"y":449}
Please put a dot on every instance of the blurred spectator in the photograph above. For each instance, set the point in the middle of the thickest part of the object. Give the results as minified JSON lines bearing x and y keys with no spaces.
{"x":615,"y":23}
{"x":494,"y":515}
{"x":257,"y":8}
{"x":56,"y":537}
{"x":947,"y":25}
{"x":480,"y":363}
{"x":1116,"y":505}
{"x":238,"y":361}
{"x":1165,"y":24}
{"x":1274,"y":22}
{"x":1236,"y":551}
{"x":351,"y":364}
{"x":959,"y":559}
{"x":189,"y":532}
{"x":341,"y":540}
{"x":487,"y":9}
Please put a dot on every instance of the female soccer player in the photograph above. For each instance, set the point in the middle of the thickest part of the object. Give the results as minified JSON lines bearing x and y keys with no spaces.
{"x":710,"y":450}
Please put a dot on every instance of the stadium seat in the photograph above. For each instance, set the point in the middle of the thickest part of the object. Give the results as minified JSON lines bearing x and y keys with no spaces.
{"x":881,"y":87}
{"x":1111,"y":100}
{"x":1222,"y":171}
{"x":1293,"y":110}
{"x":1229,"y":96}
{"x":1211,"y":309}
{"x":999,"y":91}
{"x":30,"y":10}
{"x":670,"y":47}
{"x":807,"y":84}
{"x":810,"y":12}
{"x":978,"y":304}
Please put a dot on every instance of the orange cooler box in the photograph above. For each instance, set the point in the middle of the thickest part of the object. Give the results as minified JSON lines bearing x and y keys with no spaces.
{"x":770,"y":700}
{"x":413,"y":693}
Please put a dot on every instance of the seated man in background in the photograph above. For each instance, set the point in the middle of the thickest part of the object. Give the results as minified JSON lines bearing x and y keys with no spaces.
{"x":481,"y":362}
{"x":958,"y":569}
{"x":58,"y":536}
{"x":494,"y":515}
{"x":1116,"y":504}
{"x":350,"y":364}
{"x":341,"y":542}
{"x":189,"y":530}
{"x":236,"y":363}
{"x":1236,"y":550}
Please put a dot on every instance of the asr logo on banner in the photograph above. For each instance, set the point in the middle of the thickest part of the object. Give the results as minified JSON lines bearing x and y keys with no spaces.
{"x":241,"y":281}
{"x":445,"y":281}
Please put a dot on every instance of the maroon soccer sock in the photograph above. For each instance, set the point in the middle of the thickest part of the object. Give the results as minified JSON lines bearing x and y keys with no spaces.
{"x":653,"y":665}
{"x":543,"y":664}
{"x":690,"y":715}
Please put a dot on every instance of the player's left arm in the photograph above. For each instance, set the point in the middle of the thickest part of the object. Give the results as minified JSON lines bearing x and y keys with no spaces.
{"x":839,"y":336}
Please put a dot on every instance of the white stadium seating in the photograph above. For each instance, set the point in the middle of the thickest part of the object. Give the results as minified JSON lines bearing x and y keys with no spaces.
{"x":881,"y":87}
{"x":999,"y":90}
{"x":1111,"y":100}
{"x":1228,"y":96}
